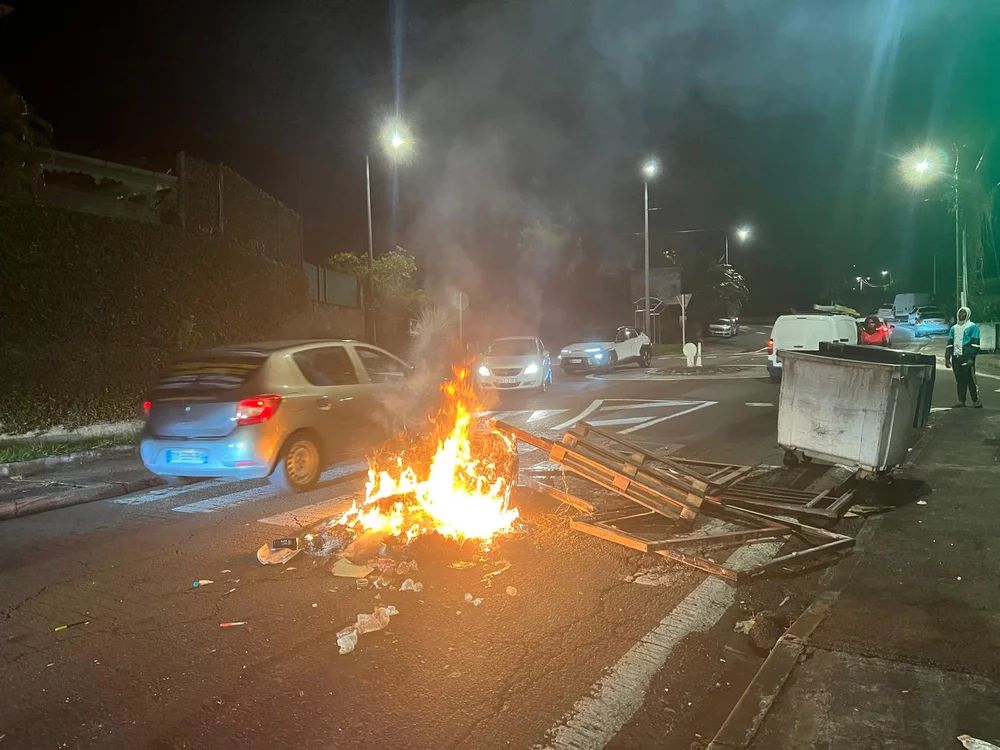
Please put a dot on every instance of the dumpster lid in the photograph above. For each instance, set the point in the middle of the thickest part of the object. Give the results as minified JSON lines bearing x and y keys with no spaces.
{"x":877,"y":354}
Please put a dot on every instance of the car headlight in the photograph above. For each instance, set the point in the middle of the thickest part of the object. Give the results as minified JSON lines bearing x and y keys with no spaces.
{"x":599,"y":356}
{"x":592,"y":349}
{"x":531,"y":369}
{"x":484,"y":371}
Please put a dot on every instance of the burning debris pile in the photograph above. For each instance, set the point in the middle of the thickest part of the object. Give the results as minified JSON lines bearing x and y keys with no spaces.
{"x":450,"y":486}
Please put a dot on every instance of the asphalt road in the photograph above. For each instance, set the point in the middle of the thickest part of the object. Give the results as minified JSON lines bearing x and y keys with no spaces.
{"x":583,"y":655}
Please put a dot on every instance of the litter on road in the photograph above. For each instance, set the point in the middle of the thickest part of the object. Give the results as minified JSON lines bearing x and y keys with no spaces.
{"x":201,"y":582}
{"x":344,"y":568}
{"x":278,"y":552}
{"x":232,"y":624}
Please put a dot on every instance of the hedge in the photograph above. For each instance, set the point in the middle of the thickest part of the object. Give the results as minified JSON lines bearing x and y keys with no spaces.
{"x":91,"y":308}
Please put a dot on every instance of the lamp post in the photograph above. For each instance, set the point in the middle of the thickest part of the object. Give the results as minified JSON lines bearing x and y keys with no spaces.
{"x":650,"y":169}
{"x":924,"y":166}
{"x":743,"y":233}
{"x":396,"y":143}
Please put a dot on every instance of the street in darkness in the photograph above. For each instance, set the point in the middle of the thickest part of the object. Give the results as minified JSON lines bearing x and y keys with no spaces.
{"x":540,"y":375}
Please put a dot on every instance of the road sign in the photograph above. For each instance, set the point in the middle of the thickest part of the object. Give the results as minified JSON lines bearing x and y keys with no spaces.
{"x":682,"y":300}
{"x":460,"y":301}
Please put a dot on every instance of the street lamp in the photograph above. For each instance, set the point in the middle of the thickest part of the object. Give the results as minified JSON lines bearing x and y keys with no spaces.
{"x":921,"y":167}
{"x":397,"y":145}
{"x":743,"y":234}
{"x":650,"y":169}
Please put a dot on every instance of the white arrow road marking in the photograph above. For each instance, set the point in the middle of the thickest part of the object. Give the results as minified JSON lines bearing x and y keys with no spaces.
{"x":621,"y":420}
{"x":307,"y":515}
{"x":594,"y":406}
{"x":644,"y":405}
{"x":651,"y":422}
{"x":758,"y":403}
{"x":543,"y":414}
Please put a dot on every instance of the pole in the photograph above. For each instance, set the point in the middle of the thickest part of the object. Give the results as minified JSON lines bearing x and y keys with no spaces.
{"x":683,"y":322}
{"x":958,"y":240}
{"x":965,"y":269}
{"x":371,"y":251}
{"x":645,"y":306}
{"x":934,"y":275}
{"x":727,"y":248}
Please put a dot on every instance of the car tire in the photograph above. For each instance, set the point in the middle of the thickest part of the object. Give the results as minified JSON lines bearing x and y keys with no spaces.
{"x":174,"y":481}
{"x":299,"y":464}
{"x":612,"y":362}
{"x":645,"y":357}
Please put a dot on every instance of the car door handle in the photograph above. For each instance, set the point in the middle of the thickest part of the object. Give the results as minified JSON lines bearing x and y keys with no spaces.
{"x":324,"y":403}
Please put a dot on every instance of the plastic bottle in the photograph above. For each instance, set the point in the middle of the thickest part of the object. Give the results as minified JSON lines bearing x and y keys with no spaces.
{"x":200,"y":582}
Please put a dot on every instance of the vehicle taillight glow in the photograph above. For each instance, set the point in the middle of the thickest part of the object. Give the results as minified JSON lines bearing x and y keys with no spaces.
{"x":147,"y":406}
{"x":257,"y":409}
{"x":770,"y":346}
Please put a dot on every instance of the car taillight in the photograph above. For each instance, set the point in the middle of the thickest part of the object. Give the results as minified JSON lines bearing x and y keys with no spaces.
{"x":770,"y":346}
{"x":257,"y":409}
{"x":147,"y":406}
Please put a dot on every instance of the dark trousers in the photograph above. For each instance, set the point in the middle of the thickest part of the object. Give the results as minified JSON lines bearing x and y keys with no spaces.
{"x":965,"y":377}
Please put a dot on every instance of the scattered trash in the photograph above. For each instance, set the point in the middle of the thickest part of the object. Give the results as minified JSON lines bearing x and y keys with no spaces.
{"x":346,"y":569}
{"x":921,"y":502}
{"x":347,"y":639}
{"x":368,"y":623}
{"x":745,"y":626}
{"x":391,"y":611}
{"x":227,"y":570}
{"x":784,"y":601}
{"x":232,"y":624}
{"x":410,"y":585}
{"x":407,"y":566}
{"x":511,"y":591}
{"x":289,"y":569}
{"x":332,"y":540}
{"x":200,"y":582}
{"x":973,"y":744}
{"x":362,"y":583}
{"x":958,"y":578}
{"x":58,"y":628}
{"x":315,"y":605}
{"x":475,"y":602}
{"x":230,"y":591}
{"x":384,"y":564}
{"x":462,"y":564}
{"x":279,"y":552}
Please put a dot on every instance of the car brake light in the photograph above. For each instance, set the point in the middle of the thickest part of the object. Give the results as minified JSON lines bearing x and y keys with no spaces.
{"x":770,"y":346}
{"x":147,"y":406}
{"x":257,"y":409}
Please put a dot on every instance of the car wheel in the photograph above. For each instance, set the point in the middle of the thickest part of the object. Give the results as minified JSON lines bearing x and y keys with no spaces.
{"x":612,"y":362}
{"x":174,"y":481}
{"x":298,"y":466}
{"x":645,"y":357}
{"x":566,"y":371}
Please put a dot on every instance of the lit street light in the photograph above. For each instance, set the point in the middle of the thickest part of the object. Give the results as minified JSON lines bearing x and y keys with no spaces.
{"x":397,"y":144}
{"x":743,"y":234}
{"x":650,"y":169}
{"x":923,"y":166}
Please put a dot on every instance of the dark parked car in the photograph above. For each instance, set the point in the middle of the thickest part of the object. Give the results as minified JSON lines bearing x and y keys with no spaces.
{"x":283,"y":410}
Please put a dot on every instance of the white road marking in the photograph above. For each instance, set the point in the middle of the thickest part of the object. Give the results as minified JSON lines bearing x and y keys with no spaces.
{"x":594,"y":406}
{"x":651,"y":422}
{"x":614,"y":699}
{"x":620,"y":420}
{"x":543,"y":414}
{"x":947,"y":408}
{"x":644,"y":405}
{"x":758,"y":403}
{"x":212,"y":504}
{"x":307,"y":515}
{"x":162,"y":493}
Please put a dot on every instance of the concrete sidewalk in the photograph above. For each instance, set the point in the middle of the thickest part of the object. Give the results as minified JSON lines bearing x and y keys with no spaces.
{"x":72,"y":483}
{"x":903,"y":650}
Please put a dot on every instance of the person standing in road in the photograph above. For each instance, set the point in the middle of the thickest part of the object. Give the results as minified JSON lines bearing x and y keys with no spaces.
{"x":960,"y":356}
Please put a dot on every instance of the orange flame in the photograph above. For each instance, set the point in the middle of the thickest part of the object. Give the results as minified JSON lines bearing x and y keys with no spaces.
{"x":461,"y":491}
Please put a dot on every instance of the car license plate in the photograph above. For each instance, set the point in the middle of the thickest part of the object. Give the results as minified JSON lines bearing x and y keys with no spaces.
{"x":187,"y":456}
{"x":575,"y":361}
{"x":506,"y":381}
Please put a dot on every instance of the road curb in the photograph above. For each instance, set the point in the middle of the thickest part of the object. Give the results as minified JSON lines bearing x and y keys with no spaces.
{"x":74,"y":496}
{"x":36,"y":465}
{"x":744,"y":721}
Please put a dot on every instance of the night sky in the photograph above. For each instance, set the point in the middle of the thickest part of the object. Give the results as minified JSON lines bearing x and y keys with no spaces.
{"x":788,"y":115}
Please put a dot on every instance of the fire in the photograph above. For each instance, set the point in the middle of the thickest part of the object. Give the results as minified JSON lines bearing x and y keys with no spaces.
{"x":455,"y":482}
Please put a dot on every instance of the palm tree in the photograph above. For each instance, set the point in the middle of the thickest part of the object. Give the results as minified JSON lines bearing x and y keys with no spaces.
{"x":717,"y":289}
{"x":22,"y":133}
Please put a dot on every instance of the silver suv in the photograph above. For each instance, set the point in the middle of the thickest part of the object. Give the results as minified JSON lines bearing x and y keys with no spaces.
{"x":283,"y":410}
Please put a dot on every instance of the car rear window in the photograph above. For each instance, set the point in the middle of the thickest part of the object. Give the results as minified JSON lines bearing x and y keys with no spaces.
{"x":210,"y":373}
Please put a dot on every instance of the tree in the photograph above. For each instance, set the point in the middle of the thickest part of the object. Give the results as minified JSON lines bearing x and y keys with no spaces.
{"x":391,"y":283}
{"x":717,"y":289}
{"x":22,"y":132}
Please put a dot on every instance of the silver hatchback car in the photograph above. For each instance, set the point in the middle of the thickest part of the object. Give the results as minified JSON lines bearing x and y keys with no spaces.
{"x":283,"y":410}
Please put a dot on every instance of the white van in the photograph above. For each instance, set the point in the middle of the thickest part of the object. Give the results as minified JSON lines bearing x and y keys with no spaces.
{"x":804,"y":332}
